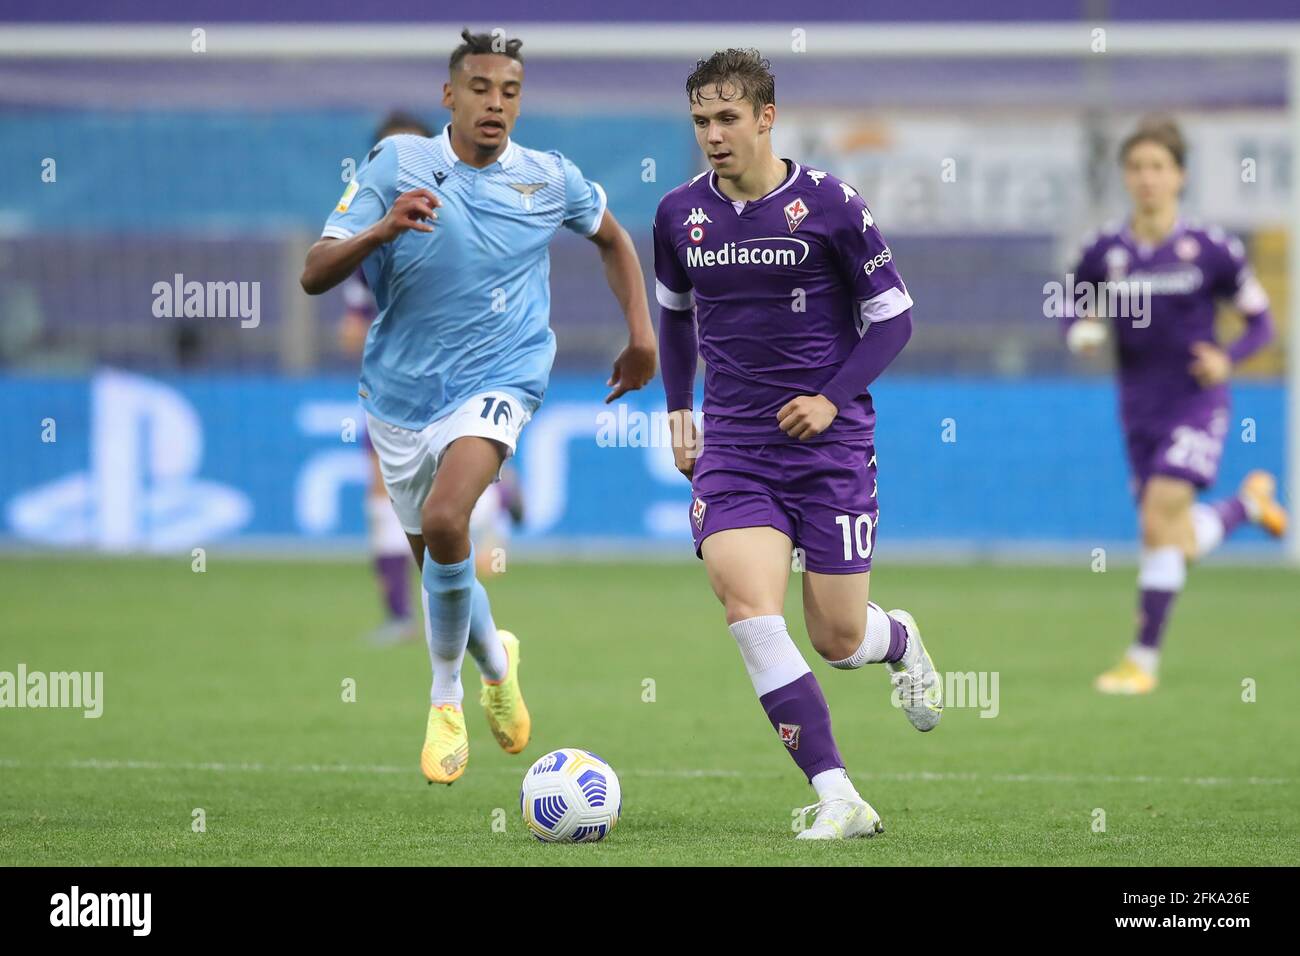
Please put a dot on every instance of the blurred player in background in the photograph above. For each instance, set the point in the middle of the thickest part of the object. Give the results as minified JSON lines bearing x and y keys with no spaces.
{"x":799,"y":309}
{"x":389,"y":548}
{"x":452,"y":233}
{"x":1173,"y":379}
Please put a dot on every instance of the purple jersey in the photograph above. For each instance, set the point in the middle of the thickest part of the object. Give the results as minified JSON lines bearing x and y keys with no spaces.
{"x":784,"y":287}
{"x":357,"y":296}
{"x":1187,"y":274}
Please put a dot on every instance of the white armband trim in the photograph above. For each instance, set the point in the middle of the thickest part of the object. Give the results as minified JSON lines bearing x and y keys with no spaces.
{"x":677,"y":301}
{"x":888,"y":304}
{"x":600,"y":211}
{"x":1251,"y":297}
{"x":336,"y":232}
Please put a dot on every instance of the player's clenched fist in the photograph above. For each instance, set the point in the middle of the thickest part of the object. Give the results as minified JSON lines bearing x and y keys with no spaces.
{"x":410,"y":211}
{"x":806,"y":416}
{"x":686,"y":440}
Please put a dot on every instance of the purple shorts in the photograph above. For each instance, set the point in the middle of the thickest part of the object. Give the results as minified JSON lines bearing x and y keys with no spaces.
{"x":1188,"y":445}
{"x":822,"y":496}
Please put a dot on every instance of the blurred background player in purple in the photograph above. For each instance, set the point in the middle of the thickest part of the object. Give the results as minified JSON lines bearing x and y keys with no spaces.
{"x":389,"y":551}
{"x":1156,"y":281}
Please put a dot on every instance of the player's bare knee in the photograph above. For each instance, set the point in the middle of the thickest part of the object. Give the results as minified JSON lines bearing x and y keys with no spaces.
{"x":1153,"y":527}
{"x":835,"y":641}
{"x":742,"y":609}
{"x":445,"y":527}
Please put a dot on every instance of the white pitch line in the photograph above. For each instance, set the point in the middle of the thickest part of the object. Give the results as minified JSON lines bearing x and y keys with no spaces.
{"x":920,"y":776}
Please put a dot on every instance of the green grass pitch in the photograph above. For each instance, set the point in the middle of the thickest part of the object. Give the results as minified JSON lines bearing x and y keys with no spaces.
{"x":223,"y":691}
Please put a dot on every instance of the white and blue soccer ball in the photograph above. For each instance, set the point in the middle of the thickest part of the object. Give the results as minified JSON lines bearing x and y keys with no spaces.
{"x":570,"y":796}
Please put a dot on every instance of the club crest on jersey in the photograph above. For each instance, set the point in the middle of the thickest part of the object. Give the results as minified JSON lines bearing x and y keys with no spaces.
{"x":697,"y":512}
{"x":526,"y":191}
{"x":795,"y":213}
{"x":789,"y":734}
{"x":1187,"y":248}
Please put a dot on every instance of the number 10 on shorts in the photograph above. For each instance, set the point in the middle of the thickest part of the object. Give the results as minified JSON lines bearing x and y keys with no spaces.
{"x":856,"y":532}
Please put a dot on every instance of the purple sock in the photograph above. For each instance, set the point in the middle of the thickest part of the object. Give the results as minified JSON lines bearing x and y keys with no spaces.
{"x":800,"y":716}
{"x":897,"y":642}
{"x":1231,"y":511}
{"x":1151,"y":616}
{"x":391,"y":570}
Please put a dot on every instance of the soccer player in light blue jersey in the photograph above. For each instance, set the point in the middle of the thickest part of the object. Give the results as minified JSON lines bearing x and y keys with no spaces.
{"x":452,"y":233}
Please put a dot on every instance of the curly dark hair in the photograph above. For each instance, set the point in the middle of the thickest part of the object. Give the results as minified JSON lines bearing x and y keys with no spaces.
{"x":484,"y":43}
{"x":745,"y":69}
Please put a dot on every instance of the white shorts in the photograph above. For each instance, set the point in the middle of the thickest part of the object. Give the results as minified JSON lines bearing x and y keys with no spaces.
{"x":408,"y":459}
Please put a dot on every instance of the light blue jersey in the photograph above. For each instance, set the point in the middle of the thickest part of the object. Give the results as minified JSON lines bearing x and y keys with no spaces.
{"x":465,"y":308}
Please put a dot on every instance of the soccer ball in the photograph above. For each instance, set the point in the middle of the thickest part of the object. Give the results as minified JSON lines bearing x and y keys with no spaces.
{"x":570,"y":796}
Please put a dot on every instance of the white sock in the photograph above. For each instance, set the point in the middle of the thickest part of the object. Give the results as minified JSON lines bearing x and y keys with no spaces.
{"x":1208,"y":527}
{"x":1162,"y":569}
{"x":875,"y":643}
{"x":386,"y":534}
{"x":1147,"y":658}
{"x":771,"y":659}
{"x":443,"y":630}
{"x":834,"y":783}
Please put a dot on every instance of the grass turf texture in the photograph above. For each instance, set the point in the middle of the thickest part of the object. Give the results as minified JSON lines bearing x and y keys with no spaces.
{"x":241,"y":668}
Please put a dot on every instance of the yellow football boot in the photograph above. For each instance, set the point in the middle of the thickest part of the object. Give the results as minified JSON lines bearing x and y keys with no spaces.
{"x":1126,"y":678}
{"x":1259,"y":493}
{"x":503,"y":702}
{"x":446,"y":746}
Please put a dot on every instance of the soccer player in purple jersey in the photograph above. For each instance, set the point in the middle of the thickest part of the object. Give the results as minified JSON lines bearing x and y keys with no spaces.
{"x":1173,"y":378}
{"x":797,"y":309}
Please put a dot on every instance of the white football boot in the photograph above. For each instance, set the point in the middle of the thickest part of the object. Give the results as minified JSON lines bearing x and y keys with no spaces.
{"x":842,"y":818}
{"x":918,"y":687}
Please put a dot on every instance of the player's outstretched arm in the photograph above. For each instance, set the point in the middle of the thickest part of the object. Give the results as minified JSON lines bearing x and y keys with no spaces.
{"x":635,"y":365}
{"x":330,"y":261}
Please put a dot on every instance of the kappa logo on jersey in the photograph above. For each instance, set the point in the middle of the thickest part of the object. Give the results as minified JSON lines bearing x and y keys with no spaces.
{"x":697,"y":512}
{"x":789,"y":734}
{"x":348,"y":194}
{"x":795,"y":213}
{"x":1187,"y":248}
{"x":526,"y":191}
{"x":866,"y":219}
{"x":697,"y":217}
{"x":816,"y":175}
{"x":849,"y":191}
